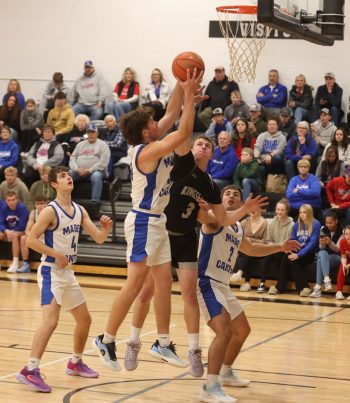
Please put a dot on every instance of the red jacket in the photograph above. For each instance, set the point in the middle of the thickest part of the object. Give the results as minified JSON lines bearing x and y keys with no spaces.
{"x":338,"y":192}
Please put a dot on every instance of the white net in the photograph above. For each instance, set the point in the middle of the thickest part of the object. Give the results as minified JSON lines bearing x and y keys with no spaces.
{"x":245,"y":39}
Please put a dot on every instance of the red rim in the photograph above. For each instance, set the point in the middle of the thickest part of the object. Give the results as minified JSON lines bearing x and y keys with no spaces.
{"x":238,"y":9}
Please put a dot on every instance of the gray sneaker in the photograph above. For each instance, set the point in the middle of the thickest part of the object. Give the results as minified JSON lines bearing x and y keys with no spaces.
{"x":273,"y":290}
{"x":305,"y":292}
{"x":132,"y":351}
{"x":328,"y":285}
{"x":196,"y":365}
{"x":316,"y":293}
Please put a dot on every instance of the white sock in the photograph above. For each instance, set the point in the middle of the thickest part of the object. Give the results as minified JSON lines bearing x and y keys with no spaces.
{"x":135,"y":333}
{"x":224,"y":369}
{"x":212,"y":380}
{"x":108,"y":338}
{"x":33,"y":363}
{"x":193,"y":341}
{"x":15,"y":262}
{"x":164,"y":340}
{"x":76,"y":357}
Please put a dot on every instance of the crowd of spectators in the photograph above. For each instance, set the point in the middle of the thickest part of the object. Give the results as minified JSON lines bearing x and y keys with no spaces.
{"x":283,"y":133}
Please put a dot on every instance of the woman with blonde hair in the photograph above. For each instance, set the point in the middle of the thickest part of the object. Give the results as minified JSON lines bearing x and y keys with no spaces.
{"x":307,"y":232}
{"x":126,"y":94}
{"x":300,"y":99}
{"x":14,"y":88}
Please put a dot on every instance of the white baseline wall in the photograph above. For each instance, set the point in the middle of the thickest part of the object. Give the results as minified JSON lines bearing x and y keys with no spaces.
{"x":44,"y":36}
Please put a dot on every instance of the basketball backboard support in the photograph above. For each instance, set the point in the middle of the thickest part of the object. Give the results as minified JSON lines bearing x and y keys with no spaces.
{"x":317,"y":21}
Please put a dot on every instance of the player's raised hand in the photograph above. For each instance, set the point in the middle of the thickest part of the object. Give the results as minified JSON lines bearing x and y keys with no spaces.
{"x":192,"y":83}
{"x":256,"y":204}
{"x":106,"y":222}
{"x":203,"y":204}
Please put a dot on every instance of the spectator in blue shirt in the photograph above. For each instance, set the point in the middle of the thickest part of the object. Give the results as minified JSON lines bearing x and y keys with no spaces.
{"x":304,"y":188}
{"x":224,"y":161}
{"x":114,"y":139}
{"x":273,"y":96}
{"x":8,"y":151}
{"x":300,"y":146}
{"x":13,"y":221}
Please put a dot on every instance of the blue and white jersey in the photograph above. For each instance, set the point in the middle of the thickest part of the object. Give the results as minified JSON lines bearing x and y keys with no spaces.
{"x":64,"y":237}
{"x":150,"y":192}
{"x":217,"y":253}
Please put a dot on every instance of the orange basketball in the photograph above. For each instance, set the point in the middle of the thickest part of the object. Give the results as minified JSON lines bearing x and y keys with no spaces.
{"x":184,"y":61}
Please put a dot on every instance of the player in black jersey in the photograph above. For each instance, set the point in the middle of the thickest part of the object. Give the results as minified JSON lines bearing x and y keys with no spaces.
{"x":190,"y":182}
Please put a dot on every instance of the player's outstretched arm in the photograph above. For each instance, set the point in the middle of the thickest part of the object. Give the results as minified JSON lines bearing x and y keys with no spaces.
{"x":173,"y":109}
{"x":99,"y":236}
{"x":226,"y":218}
{"x":46,"y":220}
{"x":260,"y":250}
{"x":157,"y":149}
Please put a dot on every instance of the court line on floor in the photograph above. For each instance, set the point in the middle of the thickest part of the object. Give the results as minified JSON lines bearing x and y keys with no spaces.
{"x":47,"y":364}
{"x":242,"y":351}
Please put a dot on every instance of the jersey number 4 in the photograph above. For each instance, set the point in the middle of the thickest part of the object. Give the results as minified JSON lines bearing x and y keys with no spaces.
{"x":73,"y":244}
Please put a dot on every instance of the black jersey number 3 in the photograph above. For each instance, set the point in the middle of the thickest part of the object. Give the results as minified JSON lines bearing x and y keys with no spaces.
{"x":189,"y":210}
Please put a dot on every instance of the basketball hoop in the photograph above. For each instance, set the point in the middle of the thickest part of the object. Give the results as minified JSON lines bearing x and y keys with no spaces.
{"x":245,"y":39}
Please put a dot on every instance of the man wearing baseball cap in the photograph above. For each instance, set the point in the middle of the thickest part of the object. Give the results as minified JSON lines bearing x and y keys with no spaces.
{"x":89,"y":162}
{"x":338,"y":193}
{"x":256,"y":125}
{"x":219,"y":124}
{"x":90,"y":92}
{"x":329,"y":96}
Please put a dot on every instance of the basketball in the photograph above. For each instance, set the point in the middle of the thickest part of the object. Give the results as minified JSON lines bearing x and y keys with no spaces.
{"x":184,"y":61}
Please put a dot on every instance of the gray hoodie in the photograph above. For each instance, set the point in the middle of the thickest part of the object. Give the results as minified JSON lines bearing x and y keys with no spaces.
{"x":267,"y":144}
{"x":277,"y":233}
{"x":88,"y":90}
{"x":42,"y":156}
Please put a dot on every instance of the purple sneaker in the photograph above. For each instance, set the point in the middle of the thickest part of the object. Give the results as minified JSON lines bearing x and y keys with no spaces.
{"x":33,"y":379}
{"x":196,"y":365}
{"x":131,"y":353}
{"x":80,"y":369}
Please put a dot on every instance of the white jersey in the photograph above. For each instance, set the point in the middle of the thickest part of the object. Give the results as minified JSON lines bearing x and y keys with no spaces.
{"x":64,"y":237}
{"x":150,"y":192}
{"x":217,"y":253}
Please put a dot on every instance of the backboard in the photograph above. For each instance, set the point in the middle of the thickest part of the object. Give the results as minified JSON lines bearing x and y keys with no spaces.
{"x":317,"y":21}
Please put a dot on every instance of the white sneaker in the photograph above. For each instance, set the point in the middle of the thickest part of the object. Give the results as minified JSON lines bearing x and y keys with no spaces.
{"x":215,"y":394}
{"x":167,"y":354}
{"x":339,"y":295}
{"x":231,"y":379}
{"x":236,"y":277}
{"x":316,"y":293}
{"x":12,"y":269}
{"x":245,"y":287}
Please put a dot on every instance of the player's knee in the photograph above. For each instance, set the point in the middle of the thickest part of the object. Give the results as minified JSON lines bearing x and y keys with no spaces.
{"x":226,"y":334}
{"x":51,"y":324}
{"x":146,"y":295}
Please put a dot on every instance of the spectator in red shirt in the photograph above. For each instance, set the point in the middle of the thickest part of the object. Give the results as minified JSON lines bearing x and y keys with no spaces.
{"x":241,"y":137}
{"x":344,"y":266}
{"x":338,"y":193}
{"x":126,"y":94}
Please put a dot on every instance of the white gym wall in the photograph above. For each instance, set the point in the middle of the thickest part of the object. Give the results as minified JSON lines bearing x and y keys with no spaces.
{"x":44,"y":36}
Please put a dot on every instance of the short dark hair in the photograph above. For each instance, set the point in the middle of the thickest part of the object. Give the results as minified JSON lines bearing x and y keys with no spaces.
{"x":133,"y":123}
{"x":48,"y":127}
{"x":232,"y":187}
{"x":40,"y":198}
{"x":332,"y":214}
{"x":55,"y":171}
{"x":11,"y":193}
{"x":60,"y":95}
{"x":57,"y":78}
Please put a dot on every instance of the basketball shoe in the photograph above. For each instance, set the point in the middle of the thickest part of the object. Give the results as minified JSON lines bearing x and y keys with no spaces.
{"x":215,"y":394}
{"x":167,"y":354}
{"x":80,"y":369}
{"x":106,"y":353}
{"x":231,"y":379}
{"x":33,"y":379}
{"x":196,"y":365}
{"x":131,"y":355}
{"x":24,"y":269}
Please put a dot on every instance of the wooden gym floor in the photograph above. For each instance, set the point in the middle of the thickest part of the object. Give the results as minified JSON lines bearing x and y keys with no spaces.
{"x":298,"y":351}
